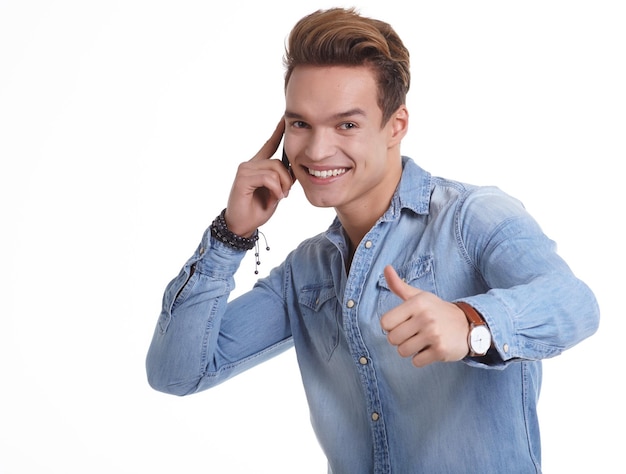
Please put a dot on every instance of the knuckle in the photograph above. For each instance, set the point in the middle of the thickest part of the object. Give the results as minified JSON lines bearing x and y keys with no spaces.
{"x":416,"y":361}
{"x":403,"y":351}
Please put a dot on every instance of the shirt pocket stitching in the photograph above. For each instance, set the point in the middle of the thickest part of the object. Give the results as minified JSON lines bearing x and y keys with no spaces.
{"x":314,"y":298}
{"x":410,"y":271}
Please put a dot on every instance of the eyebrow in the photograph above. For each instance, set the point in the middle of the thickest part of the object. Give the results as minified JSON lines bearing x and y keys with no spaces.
{"x":337,"y":116}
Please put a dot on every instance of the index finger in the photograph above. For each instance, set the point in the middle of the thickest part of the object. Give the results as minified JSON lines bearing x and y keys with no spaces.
{"x":394,"y":317}
{"x":271,"y":145}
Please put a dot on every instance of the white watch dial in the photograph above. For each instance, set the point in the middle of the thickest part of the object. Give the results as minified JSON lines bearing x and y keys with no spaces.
{"x":480,"y":339}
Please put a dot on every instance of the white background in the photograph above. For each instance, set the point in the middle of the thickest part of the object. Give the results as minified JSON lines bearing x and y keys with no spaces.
{"x":121,"y":125}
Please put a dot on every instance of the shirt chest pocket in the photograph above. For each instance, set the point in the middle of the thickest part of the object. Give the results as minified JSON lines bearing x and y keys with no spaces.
{"x":320,"y":317}
{"x":417,"y":273}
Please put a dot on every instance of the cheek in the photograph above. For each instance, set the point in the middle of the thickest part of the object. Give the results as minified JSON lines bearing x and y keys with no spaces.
{"x":293,"y":146}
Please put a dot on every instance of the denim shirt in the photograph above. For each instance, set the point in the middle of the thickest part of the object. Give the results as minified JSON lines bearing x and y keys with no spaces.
{"x":372,"y":410}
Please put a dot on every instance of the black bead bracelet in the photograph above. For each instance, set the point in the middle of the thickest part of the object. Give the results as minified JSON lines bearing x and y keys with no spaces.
{"x":220,"y":231}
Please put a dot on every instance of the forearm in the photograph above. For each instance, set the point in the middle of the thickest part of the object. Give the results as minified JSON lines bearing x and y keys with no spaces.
{"x":540,"y":319}
{"x":186,"y":331}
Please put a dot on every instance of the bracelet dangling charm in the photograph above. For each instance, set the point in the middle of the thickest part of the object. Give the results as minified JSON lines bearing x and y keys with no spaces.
{"x":221,"y":232}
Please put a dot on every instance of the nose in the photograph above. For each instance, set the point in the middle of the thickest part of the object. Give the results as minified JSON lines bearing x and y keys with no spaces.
{"x":320,"y":145}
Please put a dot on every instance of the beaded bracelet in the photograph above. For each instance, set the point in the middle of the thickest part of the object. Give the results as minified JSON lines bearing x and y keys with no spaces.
{"x":220,"y":231}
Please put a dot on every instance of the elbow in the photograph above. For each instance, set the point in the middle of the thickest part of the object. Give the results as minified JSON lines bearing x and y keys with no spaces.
{"x":593,"y":310}
{"x":594,"y":315}
{"x":586,"y":313}
{"x":159,"y":382}
{"x":171,"y":387}
{"x":164,"y":378}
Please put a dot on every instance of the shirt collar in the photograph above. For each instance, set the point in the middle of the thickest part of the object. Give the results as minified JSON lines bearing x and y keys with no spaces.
{"x":413,"y":191}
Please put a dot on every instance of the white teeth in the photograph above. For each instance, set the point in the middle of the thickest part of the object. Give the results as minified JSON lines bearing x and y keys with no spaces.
{"x":326,"y":173}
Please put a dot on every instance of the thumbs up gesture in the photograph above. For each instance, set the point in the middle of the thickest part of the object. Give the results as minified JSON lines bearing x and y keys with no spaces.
{"x":424,"y":327}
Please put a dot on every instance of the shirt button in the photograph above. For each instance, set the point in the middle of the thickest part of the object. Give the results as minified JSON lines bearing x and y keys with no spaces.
{"x":375,"y":416}
{"x":505,"y":348}
{"x":201,"y":251}
{"x":350,"y":304}
{"x":363,"y":360}
{"x":368,"y":244}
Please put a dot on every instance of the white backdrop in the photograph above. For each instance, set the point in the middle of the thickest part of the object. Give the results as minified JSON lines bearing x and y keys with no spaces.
{"x":121,"y":126}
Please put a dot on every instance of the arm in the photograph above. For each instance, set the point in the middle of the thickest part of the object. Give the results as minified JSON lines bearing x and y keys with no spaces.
{"x":535,"y":309}
{"x":201,"y":340}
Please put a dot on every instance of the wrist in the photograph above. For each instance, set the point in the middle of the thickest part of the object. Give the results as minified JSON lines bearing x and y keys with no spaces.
{"x":221,"y":232}
{"x":240,"y":230}
{"x":479,"y":335}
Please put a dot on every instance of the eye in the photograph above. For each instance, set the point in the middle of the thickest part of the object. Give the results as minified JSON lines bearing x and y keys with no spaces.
{"x":347,"y":126}
{"x":299,"y":124}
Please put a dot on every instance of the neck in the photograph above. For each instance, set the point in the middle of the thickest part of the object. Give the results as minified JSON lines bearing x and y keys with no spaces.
{"x":357,"y":227}
{"x":359,"y":217}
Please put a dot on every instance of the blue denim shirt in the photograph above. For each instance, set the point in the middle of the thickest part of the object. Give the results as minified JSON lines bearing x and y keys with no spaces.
{"x":372,"y":410}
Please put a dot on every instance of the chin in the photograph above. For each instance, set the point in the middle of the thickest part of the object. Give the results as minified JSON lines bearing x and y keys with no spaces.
{"x":321,"y":205}
{"x":320,"y":201}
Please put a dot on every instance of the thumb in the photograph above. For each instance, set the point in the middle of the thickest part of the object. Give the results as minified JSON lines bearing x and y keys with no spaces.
{"x":398,"y":286}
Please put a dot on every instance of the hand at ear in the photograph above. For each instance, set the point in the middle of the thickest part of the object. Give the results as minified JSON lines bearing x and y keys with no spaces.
{"x":259,"y":185}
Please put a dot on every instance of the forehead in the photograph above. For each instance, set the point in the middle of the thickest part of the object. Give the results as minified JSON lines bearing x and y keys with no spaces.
{"x":330,"y":90}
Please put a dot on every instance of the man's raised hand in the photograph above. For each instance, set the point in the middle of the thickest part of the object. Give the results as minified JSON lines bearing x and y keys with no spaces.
{"x":424,"y":327}
{"x":258,"y":187}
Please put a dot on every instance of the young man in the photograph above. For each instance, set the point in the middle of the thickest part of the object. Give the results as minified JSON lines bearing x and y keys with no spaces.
{"x":419,"y":318}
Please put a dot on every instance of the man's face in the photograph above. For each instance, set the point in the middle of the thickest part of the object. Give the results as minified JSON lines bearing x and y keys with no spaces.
{"x":338,"y":150}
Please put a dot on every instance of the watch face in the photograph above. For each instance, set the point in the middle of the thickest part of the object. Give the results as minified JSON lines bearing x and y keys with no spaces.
{"x":480,"y":339}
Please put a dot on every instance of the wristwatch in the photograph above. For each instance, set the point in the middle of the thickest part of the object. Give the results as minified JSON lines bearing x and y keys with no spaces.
{"x":479,"y":337}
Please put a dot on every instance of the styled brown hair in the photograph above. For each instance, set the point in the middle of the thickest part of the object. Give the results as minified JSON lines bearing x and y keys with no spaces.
{"x":342,"y":37}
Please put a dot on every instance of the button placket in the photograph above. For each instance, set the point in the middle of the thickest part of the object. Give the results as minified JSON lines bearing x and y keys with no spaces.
{"x":361,"y":266}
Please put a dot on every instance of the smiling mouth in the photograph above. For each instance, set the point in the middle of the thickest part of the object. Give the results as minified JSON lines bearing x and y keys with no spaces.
{"x":327,"y":173}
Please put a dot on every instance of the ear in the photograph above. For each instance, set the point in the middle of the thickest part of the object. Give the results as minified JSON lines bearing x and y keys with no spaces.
{"x":398,"y":126}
